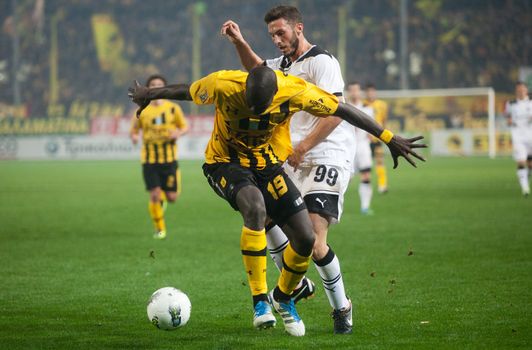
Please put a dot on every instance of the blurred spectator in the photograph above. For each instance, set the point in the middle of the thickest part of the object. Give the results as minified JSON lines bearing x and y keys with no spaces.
{"x":451,"y":44}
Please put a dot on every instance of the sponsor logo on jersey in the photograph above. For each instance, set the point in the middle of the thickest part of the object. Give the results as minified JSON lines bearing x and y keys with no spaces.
{"x":319,"y":105}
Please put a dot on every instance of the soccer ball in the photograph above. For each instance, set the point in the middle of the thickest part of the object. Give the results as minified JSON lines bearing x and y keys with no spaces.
{"x":169,"y":308}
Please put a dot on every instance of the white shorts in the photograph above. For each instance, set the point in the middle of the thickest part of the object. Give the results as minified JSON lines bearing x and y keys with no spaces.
{"x":522,"y":148}
{"x":363,"y":159}
{"x":322,"y":187}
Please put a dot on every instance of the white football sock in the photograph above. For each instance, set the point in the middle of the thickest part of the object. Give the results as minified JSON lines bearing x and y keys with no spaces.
{"x":522,"y":175}
{"x":276,"y":242}
{"x":329,"y":269}
{"x":365,"y":192}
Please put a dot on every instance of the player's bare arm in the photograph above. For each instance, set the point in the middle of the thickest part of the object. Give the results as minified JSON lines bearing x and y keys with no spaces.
{"x":134,"y":136}
{"x":177,"y":133}
{"x":399,"y":147}
{"x":134,"y":132}
{"x":248,"y":57}
{"x":324,"y":127}
{"x":142,"y":95}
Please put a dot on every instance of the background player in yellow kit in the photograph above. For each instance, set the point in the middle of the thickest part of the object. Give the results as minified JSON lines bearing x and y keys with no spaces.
{"x":162,"y":123}
{"x":242,"y":167}
{"x":381,"y":116}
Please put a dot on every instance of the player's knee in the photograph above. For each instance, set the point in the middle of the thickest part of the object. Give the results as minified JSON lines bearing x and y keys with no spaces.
{"x":171,"y":196}
{"x":251,"y":205}
{"x":254,"y":214}
{"x":155,"y":196}
{"x":320,"y":249}
{"x":305,"y":242}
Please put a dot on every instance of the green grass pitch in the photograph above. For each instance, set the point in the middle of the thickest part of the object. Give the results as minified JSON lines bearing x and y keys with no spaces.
{"x":446,"y":262}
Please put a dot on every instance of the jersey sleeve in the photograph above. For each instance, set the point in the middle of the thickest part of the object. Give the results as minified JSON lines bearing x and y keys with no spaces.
{"x":507,"y":109}
{"x":316,"y":101}
{"x":180,"y":120}
{"x":326,"y":74}
{"x":274,"y":63}
{"x":203,"y":91}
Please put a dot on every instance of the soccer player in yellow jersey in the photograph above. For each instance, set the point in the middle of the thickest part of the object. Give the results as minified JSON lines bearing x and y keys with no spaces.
{"x":243,"y":166}
{"x":381,"y":116}
{"x":162,"y":123}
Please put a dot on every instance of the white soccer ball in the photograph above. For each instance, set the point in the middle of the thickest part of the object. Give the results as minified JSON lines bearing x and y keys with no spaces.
{"x":169,"y":308}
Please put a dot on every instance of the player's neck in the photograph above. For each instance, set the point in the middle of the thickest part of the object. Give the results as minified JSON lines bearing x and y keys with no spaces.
{"x":303,"y":47}
{"x":156,"y":103}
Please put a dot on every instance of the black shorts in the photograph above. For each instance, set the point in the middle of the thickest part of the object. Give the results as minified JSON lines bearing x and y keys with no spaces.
{"x":164,"y":176}
{"x":281,"y":197}
{"x":374,"y":146}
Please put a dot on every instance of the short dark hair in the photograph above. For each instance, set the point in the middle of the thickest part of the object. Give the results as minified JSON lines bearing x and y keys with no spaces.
{"x":261,"y":86}
{"x":154,"y":77}
{"x":289,"y":13}
{"x":520,"y":82}
{"x":370,"y":85}
{"x":354,"y":82}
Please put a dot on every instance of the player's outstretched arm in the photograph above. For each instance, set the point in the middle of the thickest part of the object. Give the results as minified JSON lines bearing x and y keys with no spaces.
{"x":142,"y":95}
{"x":248,"y":57}
{"x":399,"y":147}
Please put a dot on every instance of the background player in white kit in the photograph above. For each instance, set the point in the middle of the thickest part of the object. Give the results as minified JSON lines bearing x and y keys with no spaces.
{"x":519,"y":114}
{"x":363,"y":161}
{"x":321,"y":162}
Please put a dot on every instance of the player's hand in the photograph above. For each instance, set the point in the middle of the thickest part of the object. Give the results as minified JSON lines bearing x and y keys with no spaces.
{"x":400,"y":147}
{"x":173,"y":135}
{"x":139,"y":95}
{"x":231,"y":31}
{"x":134,"y":138}
{"x":297,"y":156}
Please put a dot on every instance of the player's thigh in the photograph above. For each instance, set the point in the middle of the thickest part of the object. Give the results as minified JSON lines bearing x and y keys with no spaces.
{"x":281,"y":196}
{"x":226,"y":179}
{"x":363,"y":160}
{"x":168,"y":175}
{"x":326,"y":186}
{"x":519,"y":150}
{"x":298,"y":176}
{"x":150,"y":174}
{"x":529,"y":150}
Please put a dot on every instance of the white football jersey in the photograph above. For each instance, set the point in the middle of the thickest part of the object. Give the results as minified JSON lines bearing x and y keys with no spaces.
{"x":319,"y":67}
{"x":521,"y":113}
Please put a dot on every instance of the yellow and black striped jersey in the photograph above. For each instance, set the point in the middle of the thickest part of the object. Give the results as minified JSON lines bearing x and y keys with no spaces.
{"x":381,"y":113}
{"x":256,"y":141}
{"x":157,"y":123}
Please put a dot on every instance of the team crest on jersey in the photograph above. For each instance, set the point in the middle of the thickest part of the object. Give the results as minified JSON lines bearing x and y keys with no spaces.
{"x":204,"y":96}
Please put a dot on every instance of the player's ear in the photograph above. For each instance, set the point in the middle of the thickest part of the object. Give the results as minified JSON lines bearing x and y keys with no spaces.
{"x":299,"y":28}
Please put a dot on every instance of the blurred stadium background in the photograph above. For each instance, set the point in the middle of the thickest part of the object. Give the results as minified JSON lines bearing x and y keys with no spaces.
{"x":65,"y":65}
{"x":445,"y":262}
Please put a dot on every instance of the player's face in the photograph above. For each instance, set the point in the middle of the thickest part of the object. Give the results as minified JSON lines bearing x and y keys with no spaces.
{"x":354,"y":92}
{"x":521,"y":91}
{"x":156,"y":83}
{"x":371,"y":94}
{"x":285,"y":35}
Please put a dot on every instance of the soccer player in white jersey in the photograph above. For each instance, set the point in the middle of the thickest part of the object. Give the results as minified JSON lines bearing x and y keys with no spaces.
{"x":363,"y":161}
{"x":519,"y":116}
{"x":321,"y":162}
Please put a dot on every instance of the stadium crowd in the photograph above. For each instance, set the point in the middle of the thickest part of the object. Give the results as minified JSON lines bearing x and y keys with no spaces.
{"x":451,"y":44}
